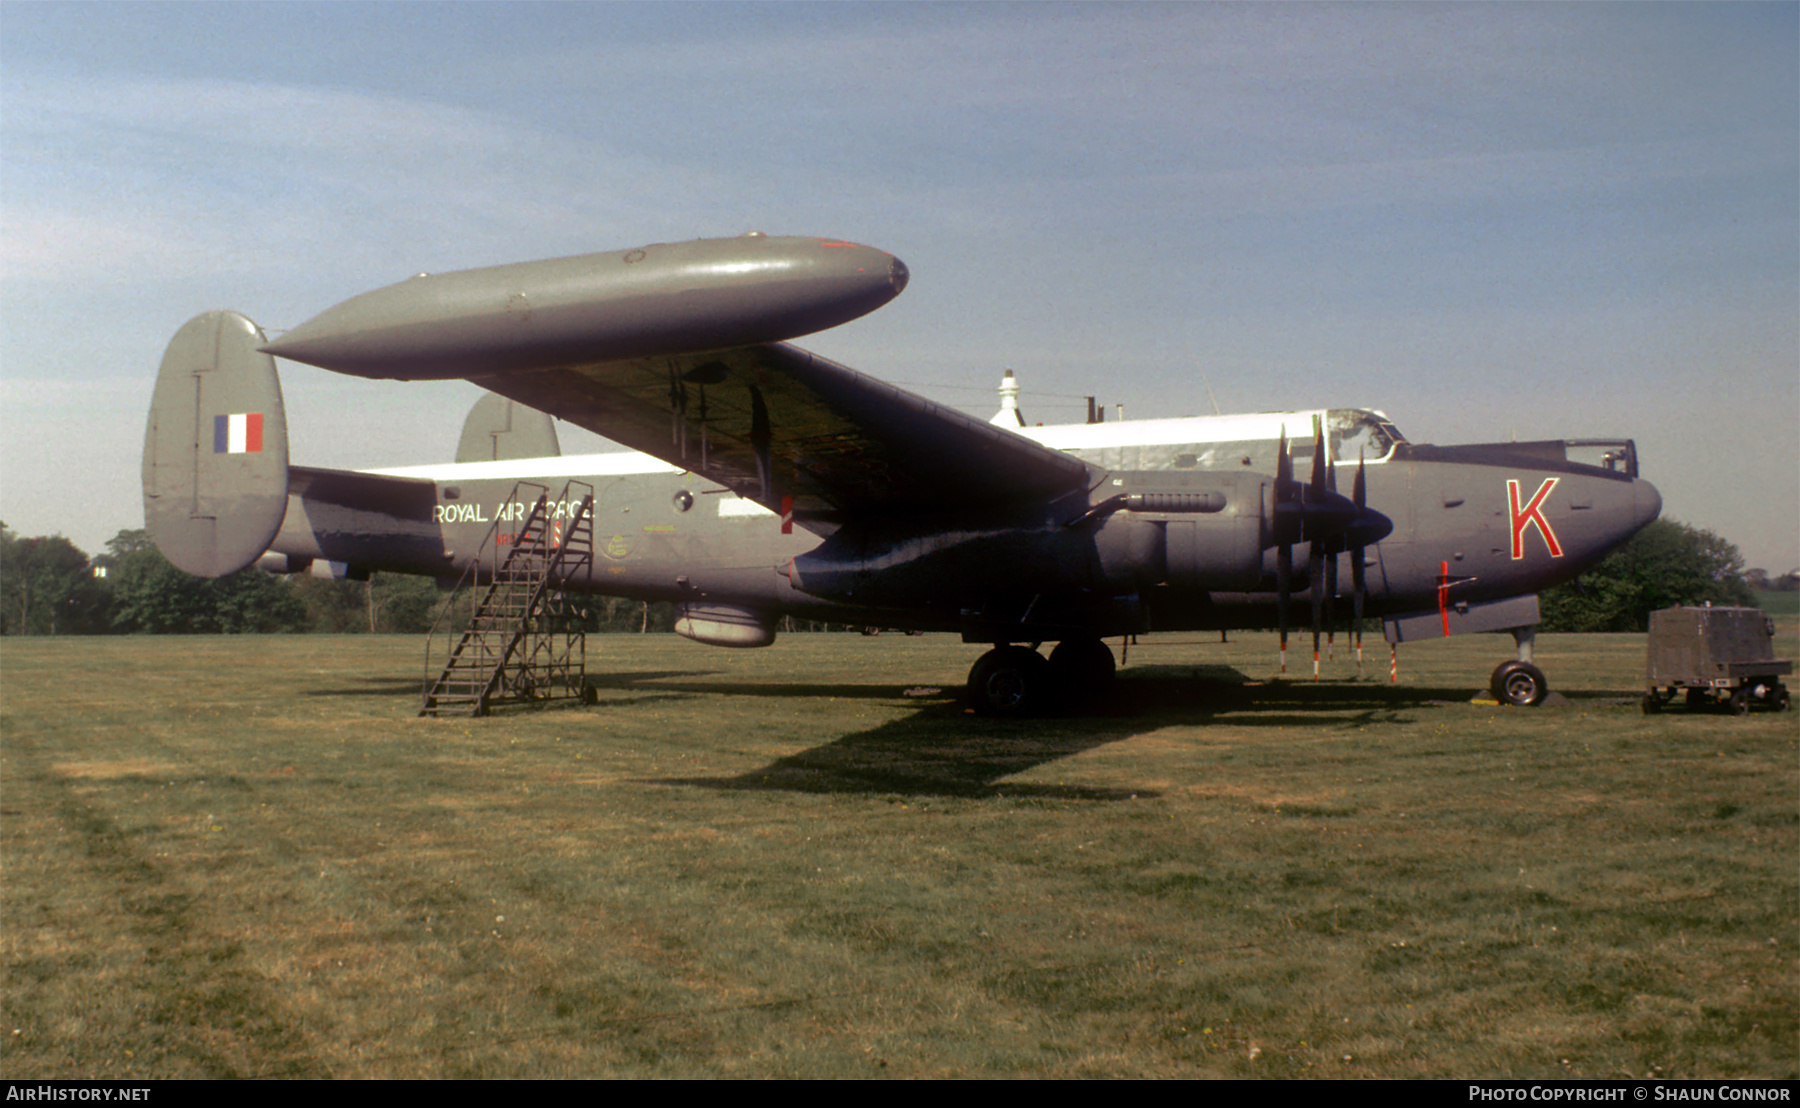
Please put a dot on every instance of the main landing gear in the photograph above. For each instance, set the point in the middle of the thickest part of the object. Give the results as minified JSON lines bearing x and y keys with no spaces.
{"x":1520,"y":683}
{"x":1012,"y":680}
{"x":1015,"y":681}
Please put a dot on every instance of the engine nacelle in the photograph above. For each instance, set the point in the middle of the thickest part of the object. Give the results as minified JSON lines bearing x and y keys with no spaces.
{"x":1200,"y":531}
{"x":1206,"y":533}
{"x":891,"y":566}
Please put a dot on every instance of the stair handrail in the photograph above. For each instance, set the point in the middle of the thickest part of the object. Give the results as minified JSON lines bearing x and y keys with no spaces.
{"x":470,"y":579}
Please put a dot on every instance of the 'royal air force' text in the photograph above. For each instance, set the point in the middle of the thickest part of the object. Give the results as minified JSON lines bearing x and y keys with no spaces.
{"x":516,"y":510}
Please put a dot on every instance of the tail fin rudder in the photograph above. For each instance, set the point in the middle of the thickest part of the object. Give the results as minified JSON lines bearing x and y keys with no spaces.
{"x":215,"y":451}
{"x":498,"y":429}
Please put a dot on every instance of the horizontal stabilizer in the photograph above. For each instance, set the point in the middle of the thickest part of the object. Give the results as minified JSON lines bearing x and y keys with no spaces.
{"x":215,"y":450}
{"x":399,"y":497}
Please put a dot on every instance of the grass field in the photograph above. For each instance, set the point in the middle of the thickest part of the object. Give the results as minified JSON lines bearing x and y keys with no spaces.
{"x":246,"y":857}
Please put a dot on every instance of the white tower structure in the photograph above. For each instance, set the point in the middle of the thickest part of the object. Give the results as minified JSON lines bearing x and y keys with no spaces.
{"x":1009,"y":415}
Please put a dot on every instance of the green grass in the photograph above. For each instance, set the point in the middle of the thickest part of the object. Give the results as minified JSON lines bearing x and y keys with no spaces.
{"x":246,"y":857}
{"x":1779,"y":604}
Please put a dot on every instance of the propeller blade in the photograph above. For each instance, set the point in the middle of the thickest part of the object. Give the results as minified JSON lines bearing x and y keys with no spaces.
{"x":1331,"y":587}
{"x":1317,"y":485}
{"x":1284,"y":580}
{"x":1333,"y":549}
{"x":1315,"y":558}
{"x":1359,"y":497}
{"x":1284,"y":469}
{"x":1284,"y":554}
{"x":1315,"y":550}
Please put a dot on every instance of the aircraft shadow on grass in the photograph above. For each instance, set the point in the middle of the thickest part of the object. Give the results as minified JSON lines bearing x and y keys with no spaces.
{"x":373,"y":686}
{"x":943,"y":749}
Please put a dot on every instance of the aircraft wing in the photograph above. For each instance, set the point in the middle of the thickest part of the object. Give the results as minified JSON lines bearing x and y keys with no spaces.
{"x":679,"y":350}
{"x":773,"y":422}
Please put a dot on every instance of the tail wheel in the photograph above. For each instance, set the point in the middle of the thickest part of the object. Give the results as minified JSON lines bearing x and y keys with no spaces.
{"x":1010,"y":681}
{"x":1520,"y":683}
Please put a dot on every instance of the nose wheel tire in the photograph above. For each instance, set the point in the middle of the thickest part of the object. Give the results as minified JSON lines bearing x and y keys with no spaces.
{"x":1519,"y":683}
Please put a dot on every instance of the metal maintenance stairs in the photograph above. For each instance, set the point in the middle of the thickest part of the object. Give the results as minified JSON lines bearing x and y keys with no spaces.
{"x":524,"y":638}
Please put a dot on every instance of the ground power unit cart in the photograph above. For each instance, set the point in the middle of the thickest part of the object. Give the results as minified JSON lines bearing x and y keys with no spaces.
{"x":1718,"y":657}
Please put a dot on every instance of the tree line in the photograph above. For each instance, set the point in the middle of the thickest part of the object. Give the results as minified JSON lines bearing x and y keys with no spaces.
{"x":49,"y":586}
{"x":1665,"y":565}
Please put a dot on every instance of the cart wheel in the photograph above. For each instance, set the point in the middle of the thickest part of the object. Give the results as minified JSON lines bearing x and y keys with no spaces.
{"x":1519,"y":683}
{"x":1740,"y":700}
{"x":1653,"y":702}
{"x":1778,"y":699}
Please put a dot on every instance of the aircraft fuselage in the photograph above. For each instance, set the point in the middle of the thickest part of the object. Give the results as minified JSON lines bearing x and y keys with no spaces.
{"x":1483,"y":523}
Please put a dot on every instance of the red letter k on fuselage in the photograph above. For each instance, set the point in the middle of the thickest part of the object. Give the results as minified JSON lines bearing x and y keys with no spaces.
{"x":1531,"y":513}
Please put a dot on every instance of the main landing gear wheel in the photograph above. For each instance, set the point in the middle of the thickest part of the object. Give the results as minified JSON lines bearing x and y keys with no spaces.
{"x":1083,"y":669}
{"x":1519,"y":683}
{"x":1010,"y":681}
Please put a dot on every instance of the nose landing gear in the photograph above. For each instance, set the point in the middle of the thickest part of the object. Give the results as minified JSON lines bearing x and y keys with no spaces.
{"x":1520,"y":683}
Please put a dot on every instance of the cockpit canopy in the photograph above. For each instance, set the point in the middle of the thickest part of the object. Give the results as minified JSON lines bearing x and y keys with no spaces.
{"x":1231,"y":442}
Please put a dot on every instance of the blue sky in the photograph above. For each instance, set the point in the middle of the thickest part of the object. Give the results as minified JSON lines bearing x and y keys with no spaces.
{"x":1539,"y":221}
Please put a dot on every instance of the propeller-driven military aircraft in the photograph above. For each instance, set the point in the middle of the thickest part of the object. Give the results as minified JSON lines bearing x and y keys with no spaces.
{"x":769,"y":481}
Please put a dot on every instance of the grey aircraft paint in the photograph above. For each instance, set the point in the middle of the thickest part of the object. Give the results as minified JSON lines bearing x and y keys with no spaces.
{"x":789,"y":484}
{"x":498,"y":429}
{"x":215,"y":450}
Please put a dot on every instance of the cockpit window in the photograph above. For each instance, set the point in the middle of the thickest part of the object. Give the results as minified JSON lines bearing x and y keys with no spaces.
{"x":1356,"y":434}
{"x":1249,"y":442}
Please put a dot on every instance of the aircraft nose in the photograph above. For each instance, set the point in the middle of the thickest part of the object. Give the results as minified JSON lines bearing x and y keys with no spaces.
{"x":1646,"y":504}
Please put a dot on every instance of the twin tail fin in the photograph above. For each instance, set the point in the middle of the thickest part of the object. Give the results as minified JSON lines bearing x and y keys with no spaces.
{"x":216,"y":450}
